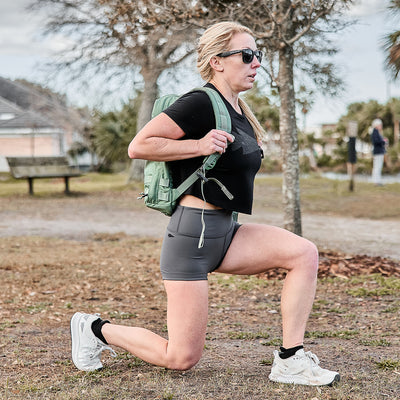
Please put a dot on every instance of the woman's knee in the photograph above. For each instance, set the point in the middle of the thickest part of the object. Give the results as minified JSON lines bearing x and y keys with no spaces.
{"x":184,"y":360}
{"x":308,"y":258}
{"x":311,"y":251}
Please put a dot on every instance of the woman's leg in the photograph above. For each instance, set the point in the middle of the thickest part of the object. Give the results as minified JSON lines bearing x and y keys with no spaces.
{"x":187,"y":315}
{"x":378,"y":160}
{"x":256,"y":248}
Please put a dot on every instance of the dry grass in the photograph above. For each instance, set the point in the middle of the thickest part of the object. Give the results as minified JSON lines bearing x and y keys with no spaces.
{"x":45,"y":280}
{"x":332,"y":197}
{"x":318,"y":195}
{"x":353,"y":326}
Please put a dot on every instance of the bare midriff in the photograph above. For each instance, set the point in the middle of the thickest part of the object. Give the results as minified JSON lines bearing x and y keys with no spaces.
{"x":190,"y":201}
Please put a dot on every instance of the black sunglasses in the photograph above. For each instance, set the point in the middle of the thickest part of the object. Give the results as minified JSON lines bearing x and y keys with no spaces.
{"x":247,"y":55}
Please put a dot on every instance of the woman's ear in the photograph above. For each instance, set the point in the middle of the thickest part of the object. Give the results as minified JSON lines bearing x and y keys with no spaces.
{"x":216,"y":64}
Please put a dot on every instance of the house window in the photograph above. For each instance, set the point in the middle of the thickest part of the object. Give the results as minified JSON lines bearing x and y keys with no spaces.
{"x":6,"y":116}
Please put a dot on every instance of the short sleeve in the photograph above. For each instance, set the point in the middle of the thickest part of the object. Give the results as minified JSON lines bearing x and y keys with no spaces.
{"x":193,"y":113}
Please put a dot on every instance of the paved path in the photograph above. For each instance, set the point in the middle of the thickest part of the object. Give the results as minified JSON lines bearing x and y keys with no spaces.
{"x":348,"y":235}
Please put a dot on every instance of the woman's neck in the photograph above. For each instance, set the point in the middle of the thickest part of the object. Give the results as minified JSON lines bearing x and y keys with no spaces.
{"x":230,"y":96}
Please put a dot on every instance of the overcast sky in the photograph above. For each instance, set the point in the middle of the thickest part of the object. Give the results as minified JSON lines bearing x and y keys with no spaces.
{"x":361,"y":59}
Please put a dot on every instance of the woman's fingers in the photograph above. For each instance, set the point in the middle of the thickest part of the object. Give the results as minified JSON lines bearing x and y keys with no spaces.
{"x":217,"y":141}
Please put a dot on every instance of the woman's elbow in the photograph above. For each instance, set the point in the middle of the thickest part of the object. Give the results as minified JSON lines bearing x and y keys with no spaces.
{"x":132,"y":150}
{"x":131,"y":153}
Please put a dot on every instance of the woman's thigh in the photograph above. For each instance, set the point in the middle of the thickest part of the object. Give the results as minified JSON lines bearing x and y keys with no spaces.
{"x":187,"y":315}
{"x":256,"y":248}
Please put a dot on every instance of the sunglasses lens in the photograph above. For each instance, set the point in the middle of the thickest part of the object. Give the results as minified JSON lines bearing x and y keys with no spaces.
{"x":247,"y":56}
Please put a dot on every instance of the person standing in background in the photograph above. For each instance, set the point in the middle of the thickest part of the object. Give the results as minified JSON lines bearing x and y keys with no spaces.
{"x":378,"y":151}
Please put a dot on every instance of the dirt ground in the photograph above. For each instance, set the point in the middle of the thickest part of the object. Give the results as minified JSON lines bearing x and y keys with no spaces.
{"x":82,"y":216}
{"x":99,"y":253}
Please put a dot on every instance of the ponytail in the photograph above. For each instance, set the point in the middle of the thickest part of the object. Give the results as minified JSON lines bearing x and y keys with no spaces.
{"x":259,"y":132}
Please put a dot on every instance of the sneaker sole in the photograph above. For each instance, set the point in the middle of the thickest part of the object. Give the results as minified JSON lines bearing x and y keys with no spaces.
{"x":74,"y":327}
{"x":336,"y":379}
{"x":294,"y":381}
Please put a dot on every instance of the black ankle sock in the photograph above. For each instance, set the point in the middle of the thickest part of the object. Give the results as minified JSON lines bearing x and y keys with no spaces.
{"x":96,"y":329}
{"x":286,"y":353}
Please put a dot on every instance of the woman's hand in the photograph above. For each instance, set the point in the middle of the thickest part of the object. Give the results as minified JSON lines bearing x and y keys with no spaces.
{"x":215,"y":141}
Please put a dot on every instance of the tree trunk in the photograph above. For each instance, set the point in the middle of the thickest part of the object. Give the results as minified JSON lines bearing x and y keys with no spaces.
{"x":150,"y":93}
{"x":396,"y":130}
{"x":289,"y":142}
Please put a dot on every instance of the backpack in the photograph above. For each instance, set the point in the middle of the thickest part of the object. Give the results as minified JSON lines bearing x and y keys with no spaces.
{"x":159,"y":193}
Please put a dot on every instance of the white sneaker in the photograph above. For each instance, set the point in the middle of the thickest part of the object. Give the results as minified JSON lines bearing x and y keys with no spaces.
{"x":86,"y":347}
{"x":301,"y":369}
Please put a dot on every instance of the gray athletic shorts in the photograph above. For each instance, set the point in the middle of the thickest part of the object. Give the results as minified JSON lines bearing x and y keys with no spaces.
{"x":181,"y":259}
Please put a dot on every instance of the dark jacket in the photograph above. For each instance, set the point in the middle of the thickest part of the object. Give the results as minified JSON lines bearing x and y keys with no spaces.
{"x":378,"y":142}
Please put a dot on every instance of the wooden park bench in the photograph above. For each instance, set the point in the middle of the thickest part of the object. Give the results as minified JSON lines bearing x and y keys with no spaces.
{"x":31,"y":168}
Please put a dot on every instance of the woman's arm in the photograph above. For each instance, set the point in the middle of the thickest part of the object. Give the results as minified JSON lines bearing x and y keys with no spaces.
{"x":158,"y":141}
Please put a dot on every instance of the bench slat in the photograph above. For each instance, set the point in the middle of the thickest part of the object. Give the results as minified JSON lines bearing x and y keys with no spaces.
{"x":33,"y":161}
{"x":42,"y":167}
{"x":42,"y":171}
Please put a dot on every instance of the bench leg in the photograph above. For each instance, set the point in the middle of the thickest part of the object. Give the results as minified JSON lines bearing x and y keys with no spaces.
{"x":30,"y":183}
{"x":66,"y":179}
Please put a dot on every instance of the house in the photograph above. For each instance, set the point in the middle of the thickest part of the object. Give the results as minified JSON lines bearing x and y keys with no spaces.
{"x":36,"y":122}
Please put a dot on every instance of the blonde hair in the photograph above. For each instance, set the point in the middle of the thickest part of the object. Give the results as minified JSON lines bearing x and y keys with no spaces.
{"x":216,"y":40}
{"x":376,"y":122}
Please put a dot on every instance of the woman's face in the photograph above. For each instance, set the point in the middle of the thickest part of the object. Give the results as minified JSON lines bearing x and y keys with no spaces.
{"x":236,"y":73}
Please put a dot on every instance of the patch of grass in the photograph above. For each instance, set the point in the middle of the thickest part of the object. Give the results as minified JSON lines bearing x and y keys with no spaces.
{"x":350,"y":316}
{"x":248,"y":335}
{"x":388,"y":364}
{"x":345,"y":334}
{"x":390,"y":282}
{"x":320,"y":303}
{"x":98,"y":375}
{"x":8,"y":324}
{"x":223,"y":306}
{"x":375,"y":286}
{"x":365,"y":292}
{"x":122,"y":315}
{"x":63,"y":362}
{"x":273,"y":342}
{"x":316,"y":315}
{"x":337,"y":310}
{"x":133,"y":361}
{"x":168,"y":396}
{"x":375,"y":342}
{"x":36,"y":308}
{"x":246,"y":283}
{"x":392,"y":309}
{"x":267,"y":362}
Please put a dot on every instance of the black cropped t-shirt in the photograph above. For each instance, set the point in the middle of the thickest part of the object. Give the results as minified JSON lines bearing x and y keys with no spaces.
{"x":236,"y":168}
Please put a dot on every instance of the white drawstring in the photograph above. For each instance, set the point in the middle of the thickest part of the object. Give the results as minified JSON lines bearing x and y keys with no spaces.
{"x":203,"y":224}
{"x":227,"y":193}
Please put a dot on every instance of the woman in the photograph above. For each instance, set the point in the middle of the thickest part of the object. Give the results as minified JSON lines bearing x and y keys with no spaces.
{"x":378,"y":150}
{"x":228,"y":61}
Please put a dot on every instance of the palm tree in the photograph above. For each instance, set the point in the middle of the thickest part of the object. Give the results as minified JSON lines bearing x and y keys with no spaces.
{"x":392,"y":44}
{"x":112,"y":132}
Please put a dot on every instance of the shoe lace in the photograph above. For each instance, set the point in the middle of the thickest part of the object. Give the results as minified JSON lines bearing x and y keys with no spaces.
{"x":100,"y":347}
{"x":313,"y":358}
